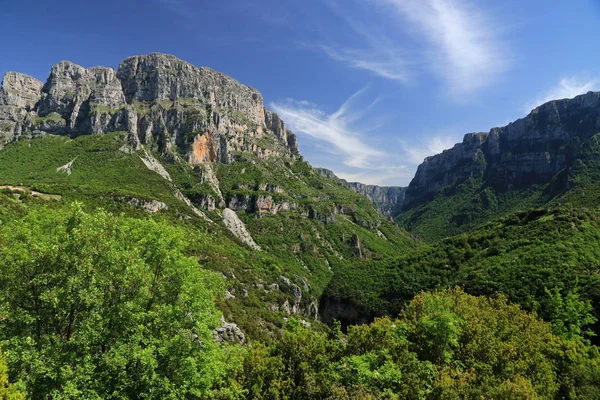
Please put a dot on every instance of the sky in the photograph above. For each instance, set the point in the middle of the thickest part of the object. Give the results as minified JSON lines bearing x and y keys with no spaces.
{"x":371,"y":87}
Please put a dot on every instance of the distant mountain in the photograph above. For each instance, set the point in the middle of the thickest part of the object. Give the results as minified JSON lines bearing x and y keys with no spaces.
{"x":387,"y":199}
{"x":160,"y":136}
{"x":529,"y":162}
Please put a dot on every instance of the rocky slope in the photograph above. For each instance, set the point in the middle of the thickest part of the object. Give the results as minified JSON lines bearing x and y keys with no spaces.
{"x":524,"y":164}
{"x":387,"y":199}
{"x":529,"y":151}
{"x":161,"y":101}
{"x":161,"y":136}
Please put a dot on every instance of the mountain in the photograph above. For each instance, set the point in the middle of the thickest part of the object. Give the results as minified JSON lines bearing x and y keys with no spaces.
{"x":156,"y":218}
{"x":530,"y":162}
{"x":160,"y":136}
{"x":160,"y":101}
{"x":387,"y":199}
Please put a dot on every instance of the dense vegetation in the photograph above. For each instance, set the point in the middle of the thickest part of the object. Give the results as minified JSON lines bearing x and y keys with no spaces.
{"x":104,"y":306}
{"x":465,"y":205}
{"x":103,"y":300}
{"x":531,"y":257}
{"x":444,"y":345}
{"x":322,"y":230}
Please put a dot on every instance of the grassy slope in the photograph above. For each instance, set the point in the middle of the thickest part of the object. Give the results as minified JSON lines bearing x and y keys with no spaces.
{"x":519,"y":255}
{"x":294,"y":246}
{"x":463,"y":207}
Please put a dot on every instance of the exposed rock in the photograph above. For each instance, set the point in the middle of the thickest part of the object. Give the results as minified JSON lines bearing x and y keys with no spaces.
{"x":465,"y":160}
{"x":163,"y":103}
{"x":294,"y":289}
{"x":19,"y":94}
{"x":229,"y":332}
{"x":240,"y":202}
{"x":66,"y":168}
{"x":164,"y":77}
{"x":149,"y":206}
{"x":154,"y":165}
{"x":210,"y":177}
{"x":259,"y":203}
{"x":187,"y":201}
{"x":358,"y":248}
{"x":388,"y":200}
{"x":237,"y":227}
{"x":274,"y":123}
{"x":286,"y":307}
{"x":526,"y":152}
{"x":229,"y":295}
{"x":20,"y":90}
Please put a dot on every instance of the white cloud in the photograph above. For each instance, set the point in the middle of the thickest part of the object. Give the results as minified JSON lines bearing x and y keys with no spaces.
{"x":335,"y":129}
{"x":565,"y":89}
{"x":463,"y":49}
{"x":382,"y":62}
{"x":335,"y":135}
{"x":453,"y":39}
{"x":415,"y":153}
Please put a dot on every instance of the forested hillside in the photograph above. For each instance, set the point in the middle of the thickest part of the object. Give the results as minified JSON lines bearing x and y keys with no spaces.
{"x":162,"y":237}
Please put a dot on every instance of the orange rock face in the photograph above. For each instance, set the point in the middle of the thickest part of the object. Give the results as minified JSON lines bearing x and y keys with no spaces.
{"x":203,"y":149}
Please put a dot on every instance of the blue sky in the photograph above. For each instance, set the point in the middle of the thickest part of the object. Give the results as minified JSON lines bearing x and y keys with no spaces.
{"x":371,"y":87}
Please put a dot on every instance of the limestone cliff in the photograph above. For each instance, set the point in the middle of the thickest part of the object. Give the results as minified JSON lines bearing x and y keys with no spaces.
{"x":163,"y":103}
{"x":388,"y":200}
{"x":529,"y":151}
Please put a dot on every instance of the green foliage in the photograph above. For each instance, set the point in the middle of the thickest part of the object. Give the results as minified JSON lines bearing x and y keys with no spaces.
{"x":466,"y":206}
{"x":99,"y":168}
{"x":8,"y":391}
{"x":445,"y":345}
{"x":435,"y":328}
{"x":375,"y":363}
{"x":567,"y":313}
{"x":53,"y":117}
{"x":519,"y":256}
{"x":98,"y":108}
{"x":101,"y":306}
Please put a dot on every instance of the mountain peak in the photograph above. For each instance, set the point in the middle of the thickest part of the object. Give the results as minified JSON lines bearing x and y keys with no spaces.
{"x":161,"y":101}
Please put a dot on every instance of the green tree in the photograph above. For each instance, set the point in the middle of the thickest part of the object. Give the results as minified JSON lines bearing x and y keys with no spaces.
{"x":501,"y":351}
{"x":568,"y":314}
{"x":99,"y":306}
{"x":8,"y":391}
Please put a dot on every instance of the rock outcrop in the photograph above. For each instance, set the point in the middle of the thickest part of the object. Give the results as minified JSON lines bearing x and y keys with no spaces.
{"x":388,"y":200}
{"x":529,"y":151}
{"x":237,"y":227}
{"x":163,"y":103}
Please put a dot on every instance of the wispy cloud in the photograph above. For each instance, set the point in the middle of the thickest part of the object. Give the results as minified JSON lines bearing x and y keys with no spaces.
{"x":334,"y":129}
{"x":565,"y":89}
{"x":386,"y":65}
{"x":451,"y":39}
{"x":464,"y":49}
{"x":350,"y":152}
{"x":417,"y":152}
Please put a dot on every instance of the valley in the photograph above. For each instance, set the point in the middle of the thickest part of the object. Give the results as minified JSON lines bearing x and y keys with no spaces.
{"x":162,"y":236}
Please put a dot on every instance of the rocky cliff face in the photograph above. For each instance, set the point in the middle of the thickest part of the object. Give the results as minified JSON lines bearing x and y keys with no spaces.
{"x":388,"y":200}
{"x":531,"y":150}
{"x":161,"y":101}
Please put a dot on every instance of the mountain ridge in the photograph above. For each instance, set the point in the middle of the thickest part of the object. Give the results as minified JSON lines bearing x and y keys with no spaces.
{"x":387,"y":199}
{"x":75,"y":100}
{"x":161,"y":137}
